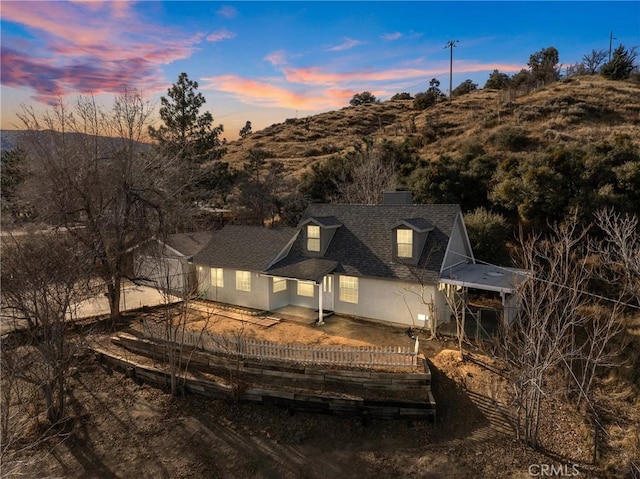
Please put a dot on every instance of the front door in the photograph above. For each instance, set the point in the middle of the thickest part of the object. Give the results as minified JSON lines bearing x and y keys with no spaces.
{"x":327,"y":293}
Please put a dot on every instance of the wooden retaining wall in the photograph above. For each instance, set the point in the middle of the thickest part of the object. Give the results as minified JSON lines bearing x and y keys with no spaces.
{"x":355,"y":392}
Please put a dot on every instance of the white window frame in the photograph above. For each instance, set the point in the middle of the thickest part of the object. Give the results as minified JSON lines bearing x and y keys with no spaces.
{"x":279,"y":284}
{"x":217,"y":278}
{"x":243,"y":280}
{"x":404,"y":242}
{"x":313,"y":238}
{"x":306,"y":288}
{"x":349,"y":289}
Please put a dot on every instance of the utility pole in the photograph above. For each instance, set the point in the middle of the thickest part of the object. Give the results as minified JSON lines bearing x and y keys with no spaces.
{"x":611,"y":39}
{"x":450,"y":44}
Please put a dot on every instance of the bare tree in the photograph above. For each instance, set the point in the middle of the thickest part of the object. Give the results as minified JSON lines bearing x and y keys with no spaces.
{"x":369,"y":178}
{"x":566,"y":324}
{"x":551,"y":299}
{"x":592,"y":61}
{"x":43,"y":277}
{"x":621,"y":249}
{"x":90,"y":173}
{"x":180,"y":338}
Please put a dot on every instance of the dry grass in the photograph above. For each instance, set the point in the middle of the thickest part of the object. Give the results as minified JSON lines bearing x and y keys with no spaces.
{"x":575,"y":111}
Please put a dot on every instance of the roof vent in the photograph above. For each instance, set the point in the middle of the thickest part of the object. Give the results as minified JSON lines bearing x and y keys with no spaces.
{"x":397,"y":198}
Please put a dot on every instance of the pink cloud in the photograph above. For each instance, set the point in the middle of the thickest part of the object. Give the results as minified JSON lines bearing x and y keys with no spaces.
{"x":267,"y":94}
{"x":227,"y":11}
{"x":391,"y":36}
{"x":346,"y":45}
{"x":316,"y":89}
{"x":277,"y":58}
{"x":87,"y":47}
{"x":220,"y":35}
{"x":316,"y":76}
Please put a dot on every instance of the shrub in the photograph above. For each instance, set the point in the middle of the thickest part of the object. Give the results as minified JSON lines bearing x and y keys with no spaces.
{"x":363,"y":98}
{"x":488,"y":234}
{"x":401,"y":96}
{"x":511,"y":138}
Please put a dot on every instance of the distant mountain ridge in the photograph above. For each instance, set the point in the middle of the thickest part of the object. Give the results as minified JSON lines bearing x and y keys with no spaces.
{"x":9,"y":139}
{"x":12,"y":139}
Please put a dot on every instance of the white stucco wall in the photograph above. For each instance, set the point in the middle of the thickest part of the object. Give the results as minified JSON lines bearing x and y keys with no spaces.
{"x":257,"y":298}
{"x":393,"y":301}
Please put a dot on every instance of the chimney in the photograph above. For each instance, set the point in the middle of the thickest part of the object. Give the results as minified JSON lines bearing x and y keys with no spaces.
{"x":396,"y":198}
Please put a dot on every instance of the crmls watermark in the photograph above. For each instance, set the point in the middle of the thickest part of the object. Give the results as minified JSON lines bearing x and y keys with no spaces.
{"x":553,"y":470}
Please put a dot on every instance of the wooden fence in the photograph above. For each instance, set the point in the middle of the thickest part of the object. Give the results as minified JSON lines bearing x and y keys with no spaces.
{"x":367,"y":356}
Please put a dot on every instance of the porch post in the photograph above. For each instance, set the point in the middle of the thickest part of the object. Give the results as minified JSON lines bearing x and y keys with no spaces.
{"x":320,"y":311}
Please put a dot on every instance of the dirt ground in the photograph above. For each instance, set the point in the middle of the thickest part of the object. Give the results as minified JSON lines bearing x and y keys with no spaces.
{"x":120,"y":428}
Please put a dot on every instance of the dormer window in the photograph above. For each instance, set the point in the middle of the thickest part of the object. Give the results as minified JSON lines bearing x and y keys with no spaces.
{"x":404,"y":239}
{"x":319,"y":232}
{"x":313,"y":238}
{"x":409,"y":238}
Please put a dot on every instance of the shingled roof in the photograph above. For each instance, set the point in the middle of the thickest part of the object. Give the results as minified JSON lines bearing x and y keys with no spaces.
{"x":362,"y":245}
{"x":250,"y":248}
{"x":189,"y":243}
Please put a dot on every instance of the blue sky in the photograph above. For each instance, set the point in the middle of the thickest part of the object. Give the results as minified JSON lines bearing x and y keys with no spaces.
{"x":268,"y":61}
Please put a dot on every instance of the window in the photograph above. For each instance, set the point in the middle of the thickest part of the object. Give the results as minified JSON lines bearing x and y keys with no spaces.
{"x":313,"y":238}
{"x":279,"y":284}
{"x":404,"y":238}
{"x":243,"y":280}
{"x":217,"y":279}
{"x":327,"y":284}
{"x":305,"y":288}
{"x":349,"y":289}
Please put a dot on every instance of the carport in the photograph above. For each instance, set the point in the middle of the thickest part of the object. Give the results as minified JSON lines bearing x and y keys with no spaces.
{"x":457,"y":280}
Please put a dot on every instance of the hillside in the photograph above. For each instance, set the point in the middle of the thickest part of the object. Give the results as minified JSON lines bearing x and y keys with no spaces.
{"x":578,"y":110}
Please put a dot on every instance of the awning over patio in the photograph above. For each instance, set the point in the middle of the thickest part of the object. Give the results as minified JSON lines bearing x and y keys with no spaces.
{"x":483,"y":276}
{"x":312,"y":269}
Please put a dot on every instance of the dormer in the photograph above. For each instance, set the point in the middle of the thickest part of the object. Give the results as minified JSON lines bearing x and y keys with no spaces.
{"x":318,"y":233}
{"x":408,"y":239}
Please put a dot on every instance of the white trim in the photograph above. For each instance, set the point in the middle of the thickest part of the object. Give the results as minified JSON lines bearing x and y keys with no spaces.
{"x":284,"y":252}
{"x":466,"y":241}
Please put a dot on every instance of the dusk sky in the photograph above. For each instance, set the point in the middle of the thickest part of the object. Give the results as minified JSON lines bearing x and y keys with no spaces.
{"x":268,"y":61}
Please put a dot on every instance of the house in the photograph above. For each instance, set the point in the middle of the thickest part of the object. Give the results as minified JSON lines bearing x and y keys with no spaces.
{"x":230,"y":268}
{"x":166,"y":263}
{"x":397,"y":262}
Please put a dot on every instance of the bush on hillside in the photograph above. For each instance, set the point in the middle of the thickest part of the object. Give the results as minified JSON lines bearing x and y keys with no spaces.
{"x":511,"y":139}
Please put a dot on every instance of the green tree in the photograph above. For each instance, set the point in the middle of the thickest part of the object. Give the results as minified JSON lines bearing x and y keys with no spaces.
{"x":488,"y":234}
{"x":363,"y":98}
{"x":186,"y":131}
{"x":321,"y":183}
{"x":497,"y":81}
{"x":262,"y":186}
{"x":430,"y":97}
{"x":522,"y":78}
{"x":189,"y":135}
{"x":246,"y":130}
{"x":544,"y":65}
{"x":465,"y":87}
{"x":621,"y":65}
